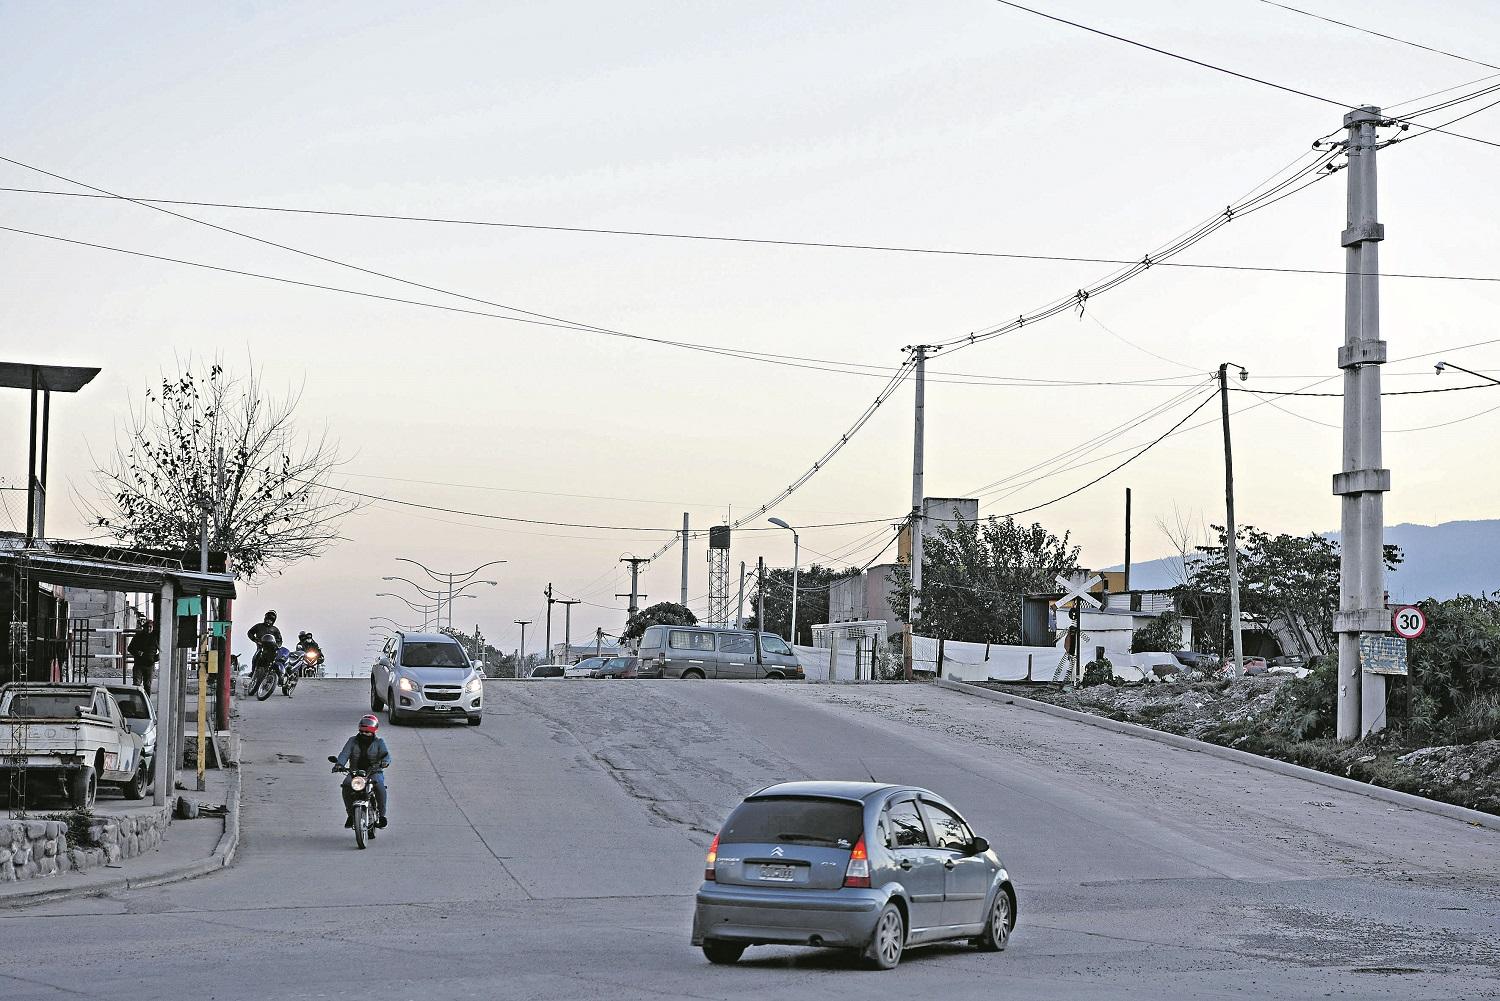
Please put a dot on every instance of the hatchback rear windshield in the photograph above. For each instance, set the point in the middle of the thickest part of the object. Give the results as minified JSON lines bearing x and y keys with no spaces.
{"x":132,"y":705}
{"x":795,"y":820}
{"x":423,"y":654}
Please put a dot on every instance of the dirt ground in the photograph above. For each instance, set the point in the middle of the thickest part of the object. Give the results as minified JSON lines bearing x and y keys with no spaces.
{"x":1236,"y":714}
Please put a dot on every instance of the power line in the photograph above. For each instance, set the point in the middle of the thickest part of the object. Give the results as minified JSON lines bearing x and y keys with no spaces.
{"x":1380,"y":34}
{"x":1175,"y":55}
{"x":1396,"y":392}
{"x":724,"y":238}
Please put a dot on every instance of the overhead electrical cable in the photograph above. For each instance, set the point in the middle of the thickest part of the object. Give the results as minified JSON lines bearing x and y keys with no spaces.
{"x":721,"y":238}
{"x":1380,"y":34}
{"x":1176,"y":55}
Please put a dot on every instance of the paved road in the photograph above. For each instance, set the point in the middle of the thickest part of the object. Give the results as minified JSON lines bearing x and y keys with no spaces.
{"x":553,"y":853}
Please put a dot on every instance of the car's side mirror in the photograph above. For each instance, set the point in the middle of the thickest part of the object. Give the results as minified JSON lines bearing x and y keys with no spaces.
{"x":333,"y":758}
{"x":978,"y":846}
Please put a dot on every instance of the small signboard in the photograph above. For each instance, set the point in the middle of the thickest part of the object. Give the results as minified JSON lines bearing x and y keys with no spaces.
{"x":1382,"y":654}
{"x":191,"y":605}
{"x":1408,"y":621}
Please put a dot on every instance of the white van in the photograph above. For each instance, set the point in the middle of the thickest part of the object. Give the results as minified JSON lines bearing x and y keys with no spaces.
{"x":701,"y":652}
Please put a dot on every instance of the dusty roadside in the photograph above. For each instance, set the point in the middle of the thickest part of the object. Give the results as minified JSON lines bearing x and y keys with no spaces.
{"x":1239,"y":714}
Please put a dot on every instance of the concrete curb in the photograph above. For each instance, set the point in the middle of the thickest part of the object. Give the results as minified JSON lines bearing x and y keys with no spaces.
{"x":1461,"y":814}
{"x":223,"y":855}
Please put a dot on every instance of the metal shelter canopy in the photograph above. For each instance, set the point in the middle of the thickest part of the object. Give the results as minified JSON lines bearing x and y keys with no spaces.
{"x":102,"y":567}
{"x":52,"y":378}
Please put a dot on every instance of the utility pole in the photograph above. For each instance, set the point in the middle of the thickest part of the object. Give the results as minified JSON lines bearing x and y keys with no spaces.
{"x":1127,"y":540}
{"x":739,"y":609}
{"x":1231,"y":547}
{"x":1363,"y":481}
{"x":521,"y":655}
{"x":684,"y":558}
{"x":760,"y":596}
{"x":598,"y":641}
{"x":636,"y":563}
{"x":567,"y":604}
{"x":917,"y":455}
{"x":547,"y":650}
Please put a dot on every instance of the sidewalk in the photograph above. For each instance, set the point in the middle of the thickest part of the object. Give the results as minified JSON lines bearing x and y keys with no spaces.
{"x":188,"y":848}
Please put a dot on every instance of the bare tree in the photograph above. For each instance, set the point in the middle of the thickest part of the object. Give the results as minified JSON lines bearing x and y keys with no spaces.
{"x":1186,"y":534}
{"x":204,"y":442}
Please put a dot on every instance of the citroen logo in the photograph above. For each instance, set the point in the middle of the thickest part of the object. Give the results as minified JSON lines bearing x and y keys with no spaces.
{"x":777,"y":851}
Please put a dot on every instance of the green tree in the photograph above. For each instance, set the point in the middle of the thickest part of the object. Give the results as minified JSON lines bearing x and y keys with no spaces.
{"x":813,"y":584}
{"x":975,"y":575}
{"x":1290,"y":581}
{"x":1162,"y":634}
{"x":663,"y":613}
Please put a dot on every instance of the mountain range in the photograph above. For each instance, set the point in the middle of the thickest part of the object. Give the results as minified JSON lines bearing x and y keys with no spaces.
{"x":1456,"y":557}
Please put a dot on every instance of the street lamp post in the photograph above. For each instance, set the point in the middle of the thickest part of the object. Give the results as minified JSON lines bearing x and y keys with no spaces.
{"x":796,"y":560}
{"x":1231,"y":548}
{"x":461,"y":579}
{"x":437,"y":596}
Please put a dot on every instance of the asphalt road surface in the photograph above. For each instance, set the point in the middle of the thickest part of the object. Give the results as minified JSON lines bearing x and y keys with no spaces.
{"x":554,"y":852}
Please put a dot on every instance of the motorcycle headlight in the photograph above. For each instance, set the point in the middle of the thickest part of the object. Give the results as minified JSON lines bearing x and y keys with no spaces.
{"x":474,"y":687}
{"x":310,"y":656}
{"x":405,"y":685}
{"x":358,"y":783}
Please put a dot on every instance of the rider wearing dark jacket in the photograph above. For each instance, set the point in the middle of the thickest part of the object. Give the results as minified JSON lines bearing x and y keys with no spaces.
{"x":366,"y":752}
{"x":266,"y":638}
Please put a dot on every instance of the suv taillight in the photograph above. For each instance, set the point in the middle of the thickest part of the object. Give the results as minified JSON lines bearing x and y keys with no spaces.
{"x":858,"y":873}
{"x":713,"y":857}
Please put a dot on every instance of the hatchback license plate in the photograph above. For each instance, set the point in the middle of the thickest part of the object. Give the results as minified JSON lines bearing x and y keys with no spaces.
{"x":779,"y":873}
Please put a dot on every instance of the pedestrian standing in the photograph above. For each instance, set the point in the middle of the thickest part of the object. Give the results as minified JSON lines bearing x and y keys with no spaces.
{"x":143,"y":655}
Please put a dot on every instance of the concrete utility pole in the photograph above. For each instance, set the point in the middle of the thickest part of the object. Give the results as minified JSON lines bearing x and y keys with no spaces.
{"x":636,"y":562}
{"x":684,"y":559}
{"x":1231,"y":547}
{"x":164,"y":770}
{"x":547,"y":650}
{"x":1363,"y":482}
{"x":739,"y":608}
{"x":917,"y":488}
{"x":521,"y":656}
{"x":567,"y":604}
{"x":760,"y":594}
{"x":1127,"y":540}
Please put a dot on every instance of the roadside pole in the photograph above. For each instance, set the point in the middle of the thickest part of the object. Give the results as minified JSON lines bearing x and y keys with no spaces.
{"x":739,"y":610}
{"x":684,"y":559}
{"x":163,"y":775}
{"x":916,"y":527}
{"x":547,"y":650}
{"x":202,"y":700}
{"x":760,"y":596}
{"x":521,"y":655}
{"x":1363,"y":482}
{"x":1231,"y":547}
{"x":567,"y":604}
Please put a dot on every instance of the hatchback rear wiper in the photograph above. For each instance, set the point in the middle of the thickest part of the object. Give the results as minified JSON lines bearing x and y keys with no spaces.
{"x":808,"y":837}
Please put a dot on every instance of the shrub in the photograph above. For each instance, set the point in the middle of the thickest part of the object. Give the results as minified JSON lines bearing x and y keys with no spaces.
{"x":1098,"y":672}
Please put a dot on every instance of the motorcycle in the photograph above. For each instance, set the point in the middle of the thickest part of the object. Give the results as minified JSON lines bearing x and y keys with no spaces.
{"x":309,"y":659}
{"x":275,"y":670}
{"x":366,"y":803}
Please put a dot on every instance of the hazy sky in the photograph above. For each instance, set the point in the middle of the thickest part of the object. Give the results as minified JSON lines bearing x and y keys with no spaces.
{"x":952,"y":123}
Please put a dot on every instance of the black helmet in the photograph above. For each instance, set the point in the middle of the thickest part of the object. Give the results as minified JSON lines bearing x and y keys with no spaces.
{"x":304,"y":636}
{"x":271,"y":616}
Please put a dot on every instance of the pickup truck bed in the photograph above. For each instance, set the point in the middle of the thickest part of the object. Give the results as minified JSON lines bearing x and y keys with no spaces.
{"x":68,"y":739}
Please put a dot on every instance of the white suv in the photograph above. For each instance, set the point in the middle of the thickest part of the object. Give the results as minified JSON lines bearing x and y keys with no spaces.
{"x":426,"y":674}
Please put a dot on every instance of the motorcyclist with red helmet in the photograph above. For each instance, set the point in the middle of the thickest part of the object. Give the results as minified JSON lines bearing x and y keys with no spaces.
{"x":365,"y":751}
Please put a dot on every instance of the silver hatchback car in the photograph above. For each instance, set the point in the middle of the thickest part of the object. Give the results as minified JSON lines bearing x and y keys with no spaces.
{"x":855,"y":865}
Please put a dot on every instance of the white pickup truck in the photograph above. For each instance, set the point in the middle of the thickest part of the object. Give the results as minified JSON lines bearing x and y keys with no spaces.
{"x":68,"y":739}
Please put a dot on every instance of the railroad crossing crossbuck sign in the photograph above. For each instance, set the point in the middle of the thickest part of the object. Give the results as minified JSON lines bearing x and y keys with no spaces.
{"x":1408,"y":621}
{"x":1076,"y":589}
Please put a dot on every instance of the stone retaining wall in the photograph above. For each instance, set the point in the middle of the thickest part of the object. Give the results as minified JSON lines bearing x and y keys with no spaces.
{"x":42,"y":847}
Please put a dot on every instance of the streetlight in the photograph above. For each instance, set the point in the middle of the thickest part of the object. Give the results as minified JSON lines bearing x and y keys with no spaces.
{"x":1230,"y":544}
{"x":451,"y":579}
{"x":796,"y":559}
{"x":387,"y":618}
{"x":428,"y":611}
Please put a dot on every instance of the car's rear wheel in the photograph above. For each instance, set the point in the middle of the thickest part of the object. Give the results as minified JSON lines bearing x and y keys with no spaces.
{"x":139,"y":784}
{"x":692,"y":674}
{"x":775,"y":676}
{"x":889,"y":940}
{"x":721,"y":953}
{"x":83,"y":786}
{"x":376,"y":702}
{"x":1002,"y":919}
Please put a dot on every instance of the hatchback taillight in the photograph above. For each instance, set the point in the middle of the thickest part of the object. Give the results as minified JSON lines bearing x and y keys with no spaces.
{"x":858,"y":873}
{"x":713,"y":857}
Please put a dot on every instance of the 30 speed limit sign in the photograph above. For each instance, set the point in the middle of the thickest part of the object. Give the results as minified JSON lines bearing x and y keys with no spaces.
{"x":1408,"y":621}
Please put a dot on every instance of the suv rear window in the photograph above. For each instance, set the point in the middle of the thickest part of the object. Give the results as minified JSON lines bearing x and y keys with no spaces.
{"x":795,"y":820}
{"x":433,"y":654}
{"x":132,"y":705}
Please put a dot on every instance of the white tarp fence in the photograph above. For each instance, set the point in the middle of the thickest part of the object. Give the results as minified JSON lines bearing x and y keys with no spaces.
{"x":814,"y":661}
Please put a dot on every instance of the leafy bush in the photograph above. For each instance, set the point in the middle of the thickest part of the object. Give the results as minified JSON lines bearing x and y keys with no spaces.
{"x":80,"y":827}
{"x":1162,"y":634}
{"x":1307,"y":708}
{"x":1098,"y":672}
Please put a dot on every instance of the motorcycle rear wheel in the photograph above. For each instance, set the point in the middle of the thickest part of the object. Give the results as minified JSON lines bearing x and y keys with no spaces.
{"x":290,"y":685}
{"x":359,"y":825}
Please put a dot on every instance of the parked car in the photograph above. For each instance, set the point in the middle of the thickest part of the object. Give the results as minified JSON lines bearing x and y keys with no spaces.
{"x":426,"y":674}
{"x":854,"y":865}
{"x":548,"y":671}
{"x":616,"y":667}
{"x":584,"y":668}
{"x":140,"y":717}
{"x":69,"y":739}
{"x":1194,"y":660}
{"x":1256,"y":665}
{"x":700,"y":652}
{"x":1288,"y":661}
